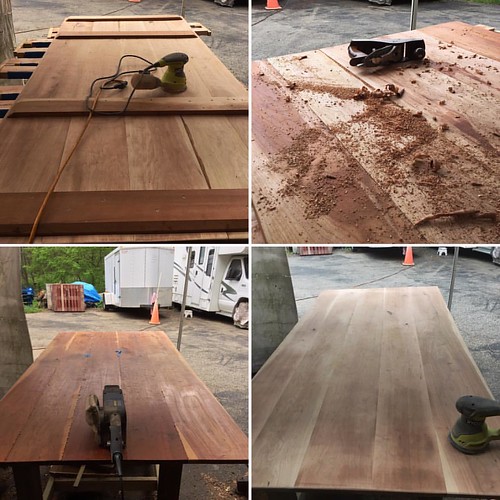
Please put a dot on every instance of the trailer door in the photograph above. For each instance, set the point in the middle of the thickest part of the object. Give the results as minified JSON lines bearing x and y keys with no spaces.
{"x":233,"y":286}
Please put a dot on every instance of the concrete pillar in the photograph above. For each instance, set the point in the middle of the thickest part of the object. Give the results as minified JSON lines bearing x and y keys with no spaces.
{"x":274,"y":312}
{"x":7,"y":36}
{"x":15,"y":344}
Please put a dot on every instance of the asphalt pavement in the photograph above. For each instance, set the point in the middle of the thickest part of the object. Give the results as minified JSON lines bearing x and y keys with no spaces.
{"x":476,"y":295}
{"x":304,"y":25}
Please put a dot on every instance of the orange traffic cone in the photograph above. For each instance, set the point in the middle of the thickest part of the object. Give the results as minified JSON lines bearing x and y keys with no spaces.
{"x":408,"y":257}
{"x":155,"y":317}
{"x":272,"y":5}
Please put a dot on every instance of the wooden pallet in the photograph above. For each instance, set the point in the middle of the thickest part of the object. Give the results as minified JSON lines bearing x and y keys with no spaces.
{"x":171,"y":178}
{"x":329,"y":168}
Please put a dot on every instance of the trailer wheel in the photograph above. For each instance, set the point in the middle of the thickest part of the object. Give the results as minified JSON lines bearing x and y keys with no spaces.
{"x":240,"y":314}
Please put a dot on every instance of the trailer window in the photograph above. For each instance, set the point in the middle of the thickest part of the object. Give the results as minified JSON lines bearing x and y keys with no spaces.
{"x":210,"y":261}
{"x":191,"y":259}
{"x":201,"y":258}
{"x":235,"y":270}
{"x":245,"y":264}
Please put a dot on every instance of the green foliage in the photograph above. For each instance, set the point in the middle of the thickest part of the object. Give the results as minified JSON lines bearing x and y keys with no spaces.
{"x":41,"y":265}
{"x":32,"y":309}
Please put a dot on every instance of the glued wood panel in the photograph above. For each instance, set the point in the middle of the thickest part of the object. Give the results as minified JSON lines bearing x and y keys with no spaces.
{"x":143,"y":150}
{"x":171,"y":414}
{"x":360,"y":397}
{"x":330,"y":168}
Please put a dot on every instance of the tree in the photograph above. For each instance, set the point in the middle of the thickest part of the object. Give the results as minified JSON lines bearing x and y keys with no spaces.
{"x":43,"y":265}
{"x":7,"y":36}
{"x":15,"y":344}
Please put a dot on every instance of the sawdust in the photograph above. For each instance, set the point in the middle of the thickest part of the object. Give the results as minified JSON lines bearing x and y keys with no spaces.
{"x":405,"y":155}
{"x":219,"y":489}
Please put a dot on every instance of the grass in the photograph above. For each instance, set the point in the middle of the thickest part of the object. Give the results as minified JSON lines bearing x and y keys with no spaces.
{"x":32,"y":309}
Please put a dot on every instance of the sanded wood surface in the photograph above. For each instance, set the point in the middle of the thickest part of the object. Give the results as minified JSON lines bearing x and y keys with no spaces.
{"x":331,"y":168}
{"x":196,"y":140}
{"x":171,"y":414}
{"x":360,"y":396}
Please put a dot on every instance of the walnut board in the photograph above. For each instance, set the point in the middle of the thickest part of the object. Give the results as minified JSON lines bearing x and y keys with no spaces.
{"x":196,"y":140}
{"x":360,"y":396}
{"x":330,"y":169}
{"x":171,"y":414}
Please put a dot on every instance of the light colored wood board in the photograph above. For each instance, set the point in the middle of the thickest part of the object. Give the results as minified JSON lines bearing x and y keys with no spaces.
{"x":77,"y":364}
{"x":276,"y":131}
{"x":473,"y":38}
{"x":141,"y":106}
{"x":89,"y":212}
{"x":469,"y":110}
{"x":387,"y":400}
{"x":467,"y":152}
{"x":209,"y":137}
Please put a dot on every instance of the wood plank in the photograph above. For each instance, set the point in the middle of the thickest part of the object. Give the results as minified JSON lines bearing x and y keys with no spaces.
{"x":324,"y":421}
{"x":128,"y":212}
{"x":124,"y":34}
{"x":314,"y":179}
{"x":141,"y":106}
{"x":141,"y":152}
{"x":156,"y":17}
{"x":473,"y":38}
{"x":81,"y":363}
{"x":30,"y":52}
{"x":199,"y":237}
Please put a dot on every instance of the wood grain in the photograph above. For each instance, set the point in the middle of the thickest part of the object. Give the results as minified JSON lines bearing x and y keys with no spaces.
{"x":91,"y":212}
{"x":360,"y":397}
{"x":328,"y":168}
{"x":171,"y":415}
{"x":142,"y":151}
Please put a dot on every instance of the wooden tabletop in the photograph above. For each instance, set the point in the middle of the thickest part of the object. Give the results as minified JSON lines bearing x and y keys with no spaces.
{"x":360,"y":396}
{"x":331,"y":168}
{"x":174,"y":164}
{"x":171,"y":414}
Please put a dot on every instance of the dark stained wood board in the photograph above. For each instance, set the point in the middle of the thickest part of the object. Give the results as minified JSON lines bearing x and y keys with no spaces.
{"x":171,"y":414}
{"x":360,"y":397}
{"x":103,"y":212}
{"x":324,"y":173}
{"x":201,"y":145}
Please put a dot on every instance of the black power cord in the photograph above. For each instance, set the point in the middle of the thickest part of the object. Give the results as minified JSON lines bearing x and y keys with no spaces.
{"x":112,"y":82}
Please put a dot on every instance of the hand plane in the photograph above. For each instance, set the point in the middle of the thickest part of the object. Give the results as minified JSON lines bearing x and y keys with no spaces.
{"x":174,"y":78}
{"x":371,"y":53}
{"x":109,"y":422}
{"x":470,"y":434}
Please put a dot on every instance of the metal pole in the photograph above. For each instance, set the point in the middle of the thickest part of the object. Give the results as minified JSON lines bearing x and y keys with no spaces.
{"x":183,"y":8}
{"x":413,"y":15}
{"x":184,"y":295}
{"x":453,"y":272}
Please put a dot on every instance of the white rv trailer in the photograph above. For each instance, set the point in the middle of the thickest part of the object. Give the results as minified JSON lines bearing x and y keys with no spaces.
{"x":218,"y":280}
{"x":133,"y":273}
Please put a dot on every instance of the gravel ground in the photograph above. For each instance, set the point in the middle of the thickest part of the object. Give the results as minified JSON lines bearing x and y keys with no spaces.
{"x":215,"y":349}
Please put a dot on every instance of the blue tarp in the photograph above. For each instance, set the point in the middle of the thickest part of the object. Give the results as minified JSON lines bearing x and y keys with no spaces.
{"x":90,"y":294}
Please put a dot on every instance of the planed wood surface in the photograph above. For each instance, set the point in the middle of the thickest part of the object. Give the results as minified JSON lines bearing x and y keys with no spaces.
{"x":329,"y":168}
{"x":161,"y":145}
{"x":171,"y":414}
{"x":360,"y":396}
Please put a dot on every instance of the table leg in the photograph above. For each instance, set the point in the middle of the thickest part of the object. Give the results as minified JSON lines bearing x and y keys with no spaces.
{"x":28,"y":482}
{"x":169,"y":480}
